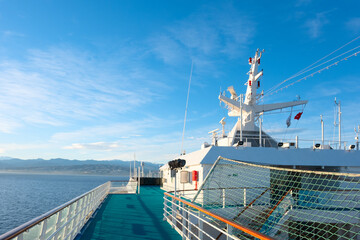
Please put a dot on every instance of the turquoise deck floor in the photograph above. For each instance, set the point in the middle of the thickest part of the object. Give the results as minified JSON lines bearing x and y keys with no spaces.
{"x":130,"y":216}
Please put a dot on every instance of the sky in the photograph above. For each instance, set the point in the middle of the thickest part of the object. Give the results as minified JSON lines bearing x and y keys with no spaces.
{"x":109,"y":79}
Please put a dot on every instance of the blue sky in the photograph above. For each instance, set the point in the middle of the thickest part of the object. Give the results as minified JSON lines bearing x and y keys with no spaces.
{"x":104,"y":79}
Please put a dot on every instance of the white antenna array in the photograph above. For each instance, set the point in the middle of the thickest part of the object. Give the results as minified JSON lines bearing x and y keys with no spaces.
{"x":222,"y":122}
{"x":214,"y":134}
{"x":338,"y":104}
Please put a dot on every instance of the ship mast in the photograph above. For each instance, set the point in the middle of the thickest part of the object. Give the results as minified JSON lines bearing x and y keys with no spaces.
{"x":253,"y":83}
{"x":248,"y":109}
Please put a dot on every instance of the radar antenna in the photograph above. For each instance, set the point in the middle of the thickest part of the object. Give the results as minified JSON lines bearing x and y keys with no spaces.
{"x":222,"y":122}
{"x":214,"y":136}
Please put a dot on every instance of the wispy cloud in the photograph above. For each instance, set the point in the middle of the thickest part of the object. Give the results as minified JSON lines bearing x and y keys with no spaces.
{"x":143,"y":137}
{"x":345,"y":85}
{"x":204,"y":33}
{"x":300,"y":3}
{"x":123,"y":130}
{"x":354,"y":25}
{"x":8,"y":34}
{"x":94,"y":146}
{"x":314,"y":26}
{"x":167,"y":49}
{"x":59,"y":85}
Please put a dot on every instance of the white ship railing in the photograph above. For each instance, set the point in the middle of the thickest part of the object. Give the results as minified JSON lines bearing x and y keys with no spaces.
{"x":194,"y":222}
{"x":66,"y":221}
{"x":121,"y":187}
{"x":344,"y":145}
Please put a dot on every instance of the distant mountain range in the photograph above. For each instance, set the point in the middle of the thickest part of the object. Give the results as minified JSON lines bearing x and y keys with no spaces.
{"x":66,"y":166}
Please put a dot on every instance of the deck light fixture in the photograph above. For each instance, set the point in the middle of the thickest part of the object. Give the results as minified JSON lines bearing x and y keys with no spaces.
{"x":177,"y":164}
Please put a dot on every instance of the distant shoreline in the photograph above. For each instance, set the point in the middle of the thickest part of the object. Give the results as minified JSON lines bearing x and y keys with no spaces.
{"x":57,"y":173}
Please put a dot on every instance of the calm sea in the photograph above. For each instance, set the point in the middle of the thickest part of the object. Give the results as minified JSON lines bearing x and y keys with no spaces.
{"x":26,"y":196}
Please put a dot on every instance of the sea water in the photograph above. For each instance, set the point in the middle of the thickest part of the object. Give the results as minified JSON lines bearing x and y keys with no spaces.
{"x":26,"y":196}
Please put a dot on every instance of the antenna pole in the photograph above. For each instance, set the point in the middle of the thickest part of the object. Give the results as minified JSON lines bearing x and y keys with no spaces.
{"x":322,"y":130}
{"x":134,"y":165}
{"x":339,"y":116}
{"x":260,"y":129}
{"x":339,"y":124}
{"x":241,"y":100}
{"x":142,"y":169}
{"x":187,"y":102}
{"x":357,"y":137}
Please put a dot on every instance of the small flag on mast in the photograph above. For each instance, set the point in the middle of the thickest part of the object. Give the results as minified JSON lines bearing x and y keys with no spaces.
{"x":288,"y":121}
{"x":298,"y":116}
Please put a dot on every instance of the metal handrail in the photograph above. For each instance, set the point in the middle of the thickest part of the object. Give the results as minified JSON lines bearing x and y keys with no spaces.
{"x":245,"y":208}
{"x":22,"y":228}
{"x":276,"y":205}
{"x":252,"y":202}
{"x":225,"y":220}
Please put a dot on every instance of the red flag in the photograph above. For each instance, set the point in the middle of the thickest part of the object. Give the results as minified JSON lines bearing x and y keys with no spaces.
{"x":298,"y":116}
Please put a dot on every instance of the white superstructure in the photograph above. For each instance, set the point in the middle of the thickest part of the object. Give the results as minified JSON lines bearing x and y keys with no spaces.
{"x":247,"y":142}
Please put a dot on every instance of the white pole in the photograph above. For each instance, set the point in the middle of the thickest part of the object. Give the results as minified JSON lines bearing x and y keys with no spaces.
{"x":142,"y":169}
{"x":260,"y":126}
{"x":357,"y":137}
{"x":339,"y":116}
{"x":223,"y":197}
{"x":322,"y":131}
{"x":244,"y":197}
{"x":175,"y":184}
{"x":130,"y":169}
{"x":241,"y":99}
{"x":139,"y":180}
{"x":135,"y":172}
{"x":297,"y":142}
{"x":339,"y":125}
{"x":187,"y":102}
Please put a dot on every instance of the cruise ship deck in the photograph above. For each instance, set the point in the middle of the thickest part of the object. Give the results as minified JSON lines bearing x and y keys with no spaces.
{"x":131,"y":216}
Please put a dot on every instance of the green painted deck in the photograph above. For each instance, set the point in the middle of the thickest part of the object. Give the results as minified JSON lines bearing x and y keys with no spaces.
{"x":131,"y":216}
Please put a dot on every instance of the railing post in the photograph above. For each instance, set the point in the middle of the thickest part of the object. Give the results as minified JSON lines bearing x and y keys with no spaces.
{"x":183,"y":221}
{"x":43,"y":230}
{"x":164,"y":209}
{"x":173,"y":213}
{"x":58,"y":221}
{"x":138,"y":183}
{"x":223,"y":197}
{"x":67,"y":219}
{"x":229,"y":231}
{"x":188,"y":217}
{"x":201,"y":226}
{"x":244,"y":197}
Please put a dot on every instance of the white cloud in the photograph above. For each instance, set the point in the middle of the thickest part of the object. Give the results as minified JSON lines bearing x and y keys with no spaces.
{"x":206,"y":32}
{"x":354,"y":25}
{"x":8,"y":125}
{"x":94,"y":146}
{"x":9,"y":33}
{"x":315,"y":25}
{"x":300,"y":3}
{"x":120,"y":130}
{"x":61,"y":85}
{"x":167,"y":49}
